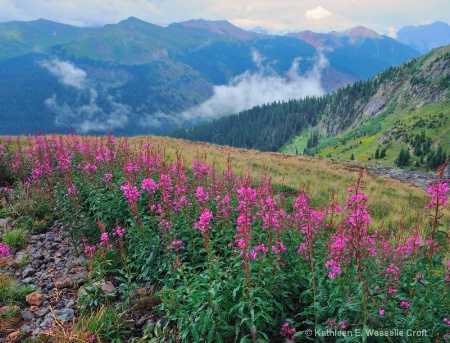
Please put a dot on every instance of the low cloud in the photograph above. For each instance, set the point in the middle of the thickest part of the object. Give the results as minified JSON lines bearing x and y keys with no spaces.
{"x":67,"y":73}
{"x":246,"y":91}
{"x":265,"y":86}
{"x":87,"y":117}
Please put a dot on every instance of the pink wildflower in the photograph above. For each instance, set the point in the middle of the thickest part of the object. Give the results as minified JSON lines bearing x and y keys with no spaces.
{"x":130,"y":192}
{"x":149,"y":185}
{"x":203,"y":223}
{"x":89,"y":250}
{"x":4,"y":250}
{"x":287,"y":332}
{"x":107,"y":178}
{"x":382,"y":312}
{"x":437,"y":195}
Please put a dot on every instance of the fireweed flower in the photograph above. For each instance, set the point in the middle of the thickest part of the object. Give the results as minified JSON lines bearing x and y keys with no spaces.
{"x":4,"y":250}
{"x":72,"y":190}
{"x":119,"y":232}
{"x":351,"y":242}
{"x":203,"y":223}
{"x":104,"y":240}
{"x":437,"y":191}
{"x":201,"y":195}
{"x":130,"y":192}
{"x":89,"y":250}
{"x":176,"y":244}
{"x":107,"y":177}
{"x":288,"y":332}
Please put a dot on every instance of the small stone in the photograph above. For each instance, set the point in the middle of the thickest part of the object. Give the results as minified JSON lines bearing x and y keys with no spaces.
{"x":35,"y":298}
{"x":27,"y":315}
{"x":27,"y":280}
{"x":49,"y":237}
{"x":26,"y":328}
{"x":66,"y":314}
{"x":47,"y":322}
{"x":64,"y":250}
{"x":29,"y":271}
{"x":34,"y":308}
{"x":49,"y":286}
{"x":69,"y":280}
{"x":42,"y":312}
{"x":36,"y":264}
{"x":70,"y":304}
{"x":40,"y":237}
{"x":108,"y":287}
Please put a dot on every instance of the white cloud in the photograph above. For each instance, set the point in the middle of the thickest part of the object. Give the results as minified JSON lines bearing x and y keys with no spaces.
{"x":251,"y":89}
{"x":317,"y":13}
{"x":84,"y":117}
{"x":67,"y":73}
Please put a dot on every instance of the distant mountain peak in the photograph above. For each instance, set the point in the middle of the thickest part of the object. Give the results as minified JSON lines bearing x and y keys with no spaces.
{"x":423,"y":38}
{"x":362,"y":32}
{"x":221,"y":27}
{"x":333,"y":39}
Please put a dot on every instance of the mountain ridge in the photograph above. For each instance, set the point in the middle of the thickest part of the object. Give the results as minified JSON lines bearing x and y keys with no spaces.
{"x":140,"y":77}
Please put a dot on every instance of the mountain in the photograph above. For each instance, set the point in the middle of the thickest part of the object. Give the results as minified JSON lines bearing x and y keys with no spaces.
{"x":404,"y":108}
{"x":18,"y":38}
{"x":135,"y":77}
{"x":423,"y":38}
{"x":358,"y":46}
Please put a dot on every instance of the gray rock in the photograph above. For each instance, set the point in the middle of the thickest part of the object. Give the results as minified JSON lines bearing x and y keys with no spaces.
{"x":49,"y":237}
{"x":65,"y":314}
{"x":28,"y":280}
{"x":28,"y":271}
{"x":42,"y":312}
{"x":47,"y":322}
{"x":27,"y":315}
{"x":26,"y":328}
{"x":36,"y":264}
{"x":70,"y":304}
{"x":415,"y":178}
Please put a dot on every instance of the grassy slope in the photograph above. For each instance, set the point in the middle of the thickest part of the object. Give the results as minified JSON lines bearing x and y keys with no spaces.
{"x":393,"y":127}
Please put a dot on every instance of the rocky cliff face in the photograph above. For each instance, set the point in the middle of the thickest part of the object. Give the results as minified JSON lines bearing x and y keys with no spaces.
{"x":419,"y":82}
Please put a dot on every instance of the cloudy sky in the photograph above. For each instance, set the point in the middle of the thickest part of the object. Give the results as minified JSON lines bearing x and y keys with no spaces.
{"x":383,"y":16}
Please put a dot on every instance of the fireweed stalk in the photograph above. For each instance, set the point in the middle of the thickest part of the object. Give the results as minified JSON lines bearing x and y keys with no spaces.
{"x":310,"y":224}
{"x":438,"y":191}
{"x":246,"y":198}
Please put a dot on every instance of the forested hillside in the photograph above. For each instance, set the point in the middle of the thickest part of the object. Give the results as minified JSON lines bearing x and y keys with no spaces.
{"x":135,"y":77}
{"x":372,"y":120}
